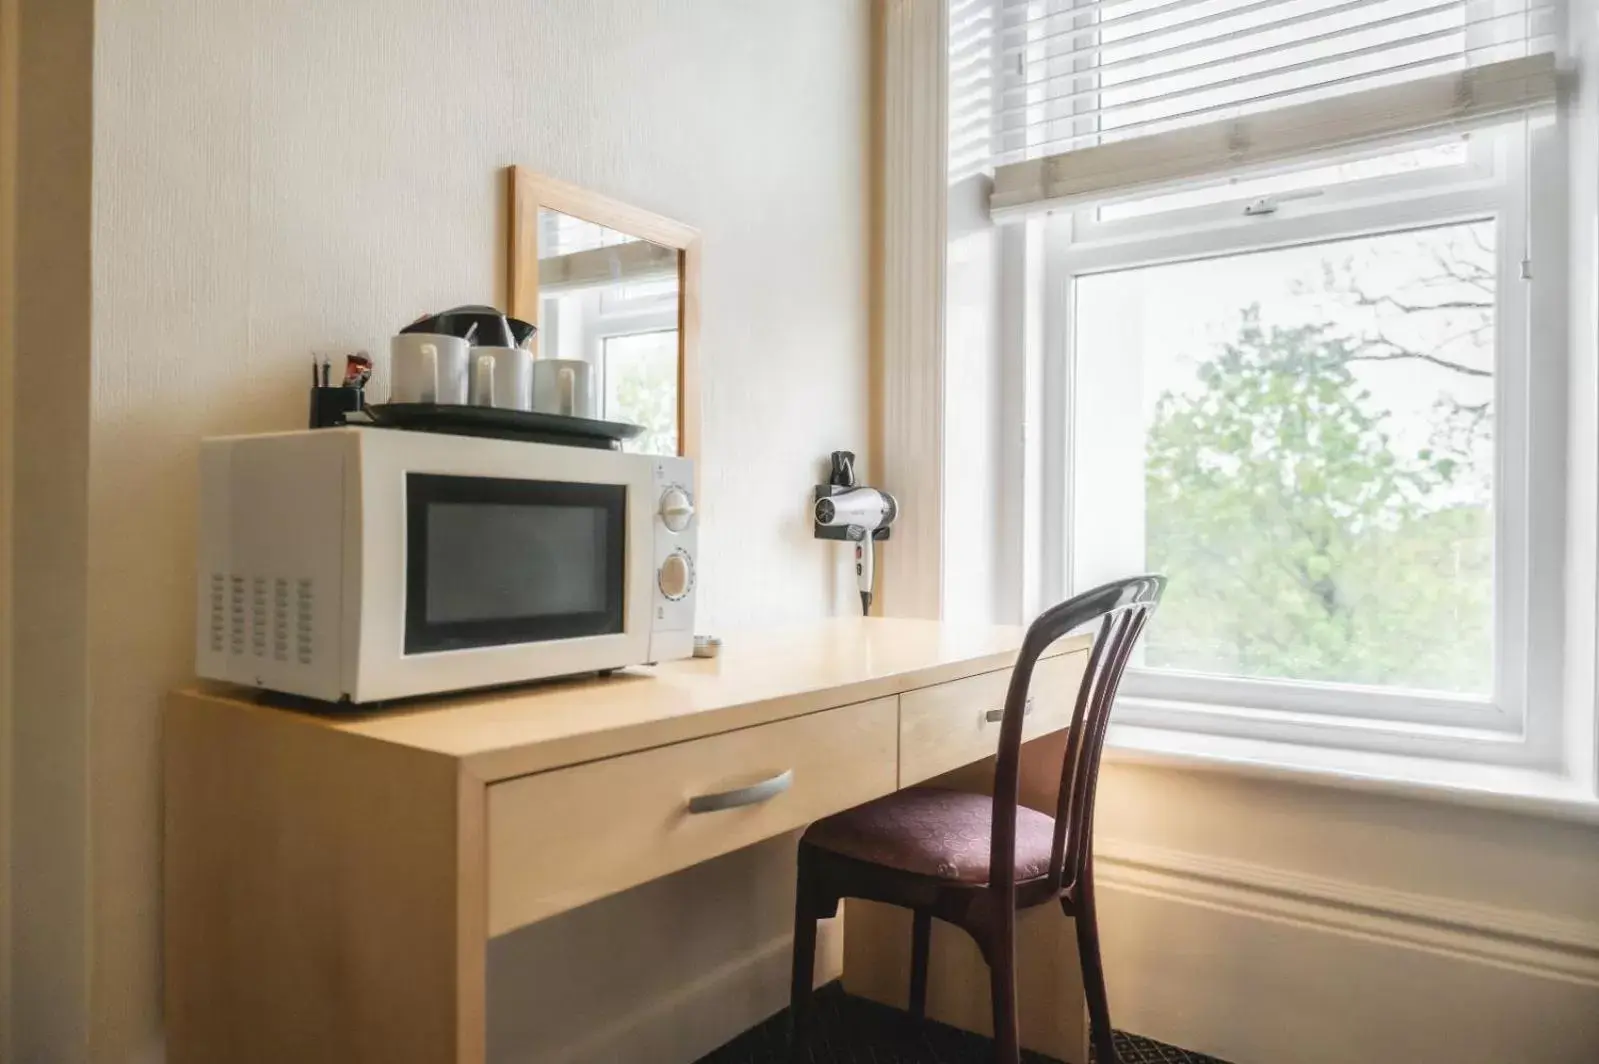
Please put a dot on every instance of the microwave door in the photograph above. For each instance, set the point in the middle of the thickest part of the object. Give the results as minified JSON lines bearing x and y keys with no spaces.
{"x":494,"y":562}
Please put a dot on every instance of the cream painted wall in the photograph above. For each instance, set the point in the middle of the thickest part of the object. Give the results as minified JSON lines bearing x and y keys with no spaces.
{"x":272,"y":178}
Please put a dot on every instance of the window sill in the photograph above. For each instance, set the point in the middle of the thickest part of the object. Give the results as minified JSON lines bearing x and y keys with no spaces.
{"x":1520,"y":790}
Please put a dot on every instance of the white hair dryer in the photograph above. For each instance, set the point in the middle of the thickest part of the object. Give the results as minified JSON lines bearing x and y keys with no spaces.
{"x":860,"y":512}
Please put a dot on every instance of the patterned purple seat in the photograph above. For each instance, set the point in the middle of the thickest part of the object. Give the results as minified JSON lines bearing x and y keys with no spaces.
{"x":932,"y":832}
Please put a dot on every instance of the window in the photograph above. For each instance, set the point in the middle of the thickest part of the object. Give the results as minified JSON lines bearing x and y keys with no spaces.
{"x":635,"y":326}
{"x":1268,"y":190}
{"x":625,"y":327}
{"x":1097,"y":72}
{"x":971,"y":87}
{"x":1317,"y":418}
{"x":1290,"y":306}
{"x":1317,"y":455}
{"x":1099,"y":97}
{"x":639,"y":385}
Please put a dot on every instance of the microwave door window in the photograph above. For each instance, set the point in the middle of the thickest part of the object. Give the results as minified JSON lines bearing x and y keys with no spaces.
{"x":494,"y":562}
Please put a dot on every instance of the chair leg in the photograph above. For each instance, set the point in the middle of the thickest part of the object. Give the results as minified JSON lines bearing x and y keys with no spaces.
{"x":1093,"y":971}
{"x":921,"y":939}
{"x":1002,"y":982}
{"x":804,"y":975}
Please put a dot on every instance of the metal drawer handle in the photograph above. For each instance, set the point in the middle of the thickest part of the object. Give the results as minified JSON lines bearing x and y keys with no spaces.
{"x":751,"y":795}
{"x":994,"y":716}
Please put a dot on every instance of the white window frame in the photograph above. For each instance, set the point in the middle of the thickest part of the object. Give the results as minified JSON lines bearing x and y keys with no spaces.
{"x":1522,"y":723}
{"x":596,"y":324}
{"x":1483,"y":169}
{"x":628,"y":321}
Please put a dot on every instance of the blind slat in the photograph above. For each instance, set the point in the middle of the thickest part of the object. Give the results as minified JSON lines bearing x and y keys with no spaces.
{"x":1047,"y":39}
{"x":1447,"y":102}
{"x":1175,"y":30}
{"x":1306,"y":66}
{"x":1089,"y":10}
{"x":1328,"y":37}
{"x":967,"y":126}
{"x":1048,"y":77}
{"x":1194,"y":115}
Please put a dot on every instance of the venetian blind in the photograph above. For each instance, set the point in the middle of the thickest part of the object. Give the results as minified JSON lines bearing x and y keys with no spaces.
{"x":972,"y":92}
{"x":1089,"y":96}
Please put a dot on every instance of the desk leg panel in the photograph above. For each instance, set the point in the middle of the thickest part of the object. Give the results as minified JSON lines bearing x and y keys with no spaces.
{"x":325,"y":895}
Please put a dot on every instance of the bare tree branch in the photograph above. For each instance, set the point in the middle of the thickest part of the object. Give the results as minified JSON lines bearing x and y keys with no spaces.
{"x":1418,"y":308}
{"x":1403,"y":354}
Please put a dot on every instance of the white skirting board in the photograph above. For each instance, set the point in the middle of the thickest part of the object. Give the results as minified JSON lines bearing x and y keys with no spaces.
{"x":1259,"y":966}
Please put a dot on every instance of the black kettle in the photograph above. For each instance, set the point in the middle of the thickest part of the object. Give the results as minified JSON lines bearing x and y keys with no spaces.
{"x":494,"y":329}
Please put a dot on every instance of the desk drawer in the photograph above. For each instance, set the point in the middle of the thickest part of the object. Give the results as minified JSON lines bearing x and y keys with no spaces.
{"x":562,"y":838}
{"x":942,"y":728}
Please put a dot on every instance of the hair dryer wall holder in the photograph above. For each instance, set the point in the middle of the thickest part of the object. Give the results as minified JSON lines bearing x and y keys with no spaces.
{"x":841,"y":534}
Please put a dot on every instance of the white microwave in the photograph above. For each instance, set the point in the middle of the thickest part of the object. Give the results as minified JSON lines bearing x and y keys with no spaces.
{"x":365,"y":564}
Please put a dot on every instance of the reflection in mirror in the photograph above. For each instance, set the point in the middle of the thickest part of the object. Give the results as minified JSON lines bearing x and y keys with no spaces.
{"x":611,"y":300}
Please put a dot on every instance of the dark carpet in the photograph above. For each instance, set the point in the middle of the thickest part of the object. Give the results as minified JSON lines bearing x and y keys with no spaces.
{"x":850,"y":1030}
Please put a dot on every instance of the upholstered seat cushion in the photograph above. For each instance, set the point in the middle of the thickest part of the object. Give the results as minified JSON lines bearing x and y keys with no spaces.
{"x":933,"y":832}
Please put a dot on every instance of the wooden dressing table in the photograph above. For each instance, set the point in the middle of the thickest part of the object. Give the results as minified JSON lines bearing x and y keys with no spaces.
{"x":333,"y":880}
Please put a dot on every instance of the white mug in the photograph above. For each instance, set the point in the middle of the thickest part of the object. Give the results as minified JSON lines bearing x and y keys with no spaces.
{"x":502,"y":377}
{"x":428,"y":368}
{"x":563,"y":386}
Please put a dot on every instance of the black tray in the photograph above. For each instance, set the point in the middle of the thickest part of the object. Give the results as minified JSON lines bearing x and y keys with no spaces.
{"x":503,"y":424}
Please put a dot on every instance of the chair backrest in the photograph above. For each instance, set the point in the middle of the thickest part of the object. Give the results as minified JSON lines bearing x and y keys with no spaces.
{"x":1119,"y":610}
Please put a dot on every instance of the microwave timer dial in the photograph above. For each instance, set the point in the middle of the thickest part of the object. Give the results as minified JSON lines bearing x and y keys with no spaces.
{"x":676,"y":575}
{"x":676,"y":508}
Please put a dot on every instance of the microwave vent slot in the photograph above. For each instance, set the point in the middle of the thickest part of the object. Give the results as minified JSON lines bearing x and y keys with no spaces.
{"x":218,"y":612}
{"x":280,"y":619}
{"x":236,"y":614}
{"x":303,"y":632}
{"x":258,"y":617}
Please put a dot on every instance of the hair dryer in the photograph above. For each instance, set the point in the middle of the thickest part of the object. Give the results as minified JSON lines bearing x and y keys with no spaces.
{"x":861,"y":511}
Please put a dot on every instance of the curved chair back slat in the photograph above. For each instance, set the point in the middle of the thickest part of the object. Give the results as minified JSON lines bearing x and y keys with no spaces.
{"x":1120,"y":609}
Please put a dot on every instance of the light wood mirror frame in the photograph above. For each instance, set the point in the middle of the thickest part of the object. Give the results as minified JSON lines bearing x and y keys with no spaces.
{"x":530,"y":191}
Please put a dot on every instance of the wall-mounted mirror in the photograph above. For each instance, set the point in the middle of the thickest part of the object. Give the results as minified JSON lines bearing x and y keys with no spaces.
{"x":614,"y":287}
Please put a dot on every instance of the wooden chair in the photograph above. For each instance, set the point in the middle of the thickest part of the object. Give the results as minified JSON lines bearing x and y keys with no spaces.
{"x":974,"y":861}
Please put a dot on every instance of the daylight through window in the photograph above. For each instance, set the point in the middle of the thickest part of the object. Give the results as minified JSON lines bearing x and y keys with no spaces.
{"x":1318,"y":455}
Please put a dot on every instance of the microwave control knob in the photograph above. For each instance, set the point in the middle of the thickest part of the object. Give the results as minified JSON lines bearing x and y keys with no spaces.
{"x":677,"y":509}
{"x":676,"y":575}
